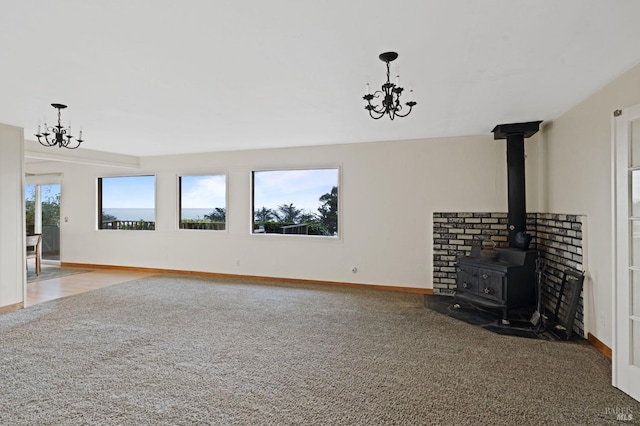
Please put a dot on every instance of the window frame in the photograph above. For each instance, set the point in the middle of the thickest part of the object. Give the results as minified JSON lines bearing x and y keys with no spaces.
{"x":100,"y":205}
{"x":340,"y":225}
{"x":179,"y":200}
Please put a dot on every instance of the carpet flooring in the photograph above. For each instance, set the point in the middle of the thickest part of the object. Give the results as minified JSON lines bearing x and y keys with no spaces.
{"x":179,"y":350}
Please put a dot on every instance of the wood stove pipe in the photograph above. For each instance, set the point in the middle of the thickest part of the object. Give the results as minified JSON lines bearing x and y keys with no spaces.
{"x":515,"y":135}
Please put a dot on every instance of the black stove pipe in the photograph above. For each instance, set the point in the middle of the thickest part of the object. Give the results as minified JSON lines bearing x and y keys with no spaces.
{"x":516,"y":188}
{"x":515,"y":135}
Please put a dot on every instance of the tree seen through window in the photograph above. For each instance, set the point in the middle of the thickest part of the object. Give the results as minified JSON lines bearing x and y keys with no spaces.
{"x":303,"y":202}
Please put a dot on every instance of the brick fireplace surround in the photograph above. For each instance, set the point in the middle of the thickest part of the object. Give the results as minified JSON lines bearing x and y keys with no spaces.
{"x":557,"y":237}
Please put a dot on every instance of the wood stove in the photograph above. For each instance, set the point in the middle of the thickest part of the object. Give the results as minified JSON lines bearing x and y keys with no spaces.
{"x":506,"y":280}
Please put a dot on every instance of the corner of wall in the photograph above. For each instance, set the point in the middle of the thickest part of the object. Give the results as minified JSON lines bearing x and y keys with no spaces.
{"x":12,"y":227}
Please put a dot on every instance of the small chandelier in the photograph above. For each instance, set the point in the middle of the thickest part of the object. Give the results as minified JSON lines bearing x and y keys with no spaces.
{"x":391,"y":95}
{"x":60,"y":136}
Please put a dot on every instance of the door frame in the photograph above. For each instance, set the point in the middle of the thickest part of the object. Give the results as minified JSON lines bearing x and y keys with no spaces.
{"x":622,"y":370}
{"x":40,"y":180}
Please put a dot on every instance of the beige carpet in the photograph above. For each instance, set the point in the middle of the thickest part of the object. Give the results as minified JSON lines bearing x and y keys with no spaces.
{"x":173,"y":350}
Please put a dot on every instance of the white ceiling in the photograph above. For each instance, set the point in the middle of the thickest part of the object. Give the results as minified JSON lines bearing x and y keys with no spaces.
{"x":152,"y":77}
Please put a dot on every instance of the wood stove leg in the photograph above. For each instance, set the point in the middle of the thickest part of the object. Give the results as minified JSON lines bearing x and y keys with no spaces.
{"x":505,"y":316}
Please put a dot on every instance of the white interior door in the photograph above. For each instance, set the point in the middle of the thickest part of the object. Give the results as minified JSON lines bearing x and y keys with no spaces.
{"x":626,"y":300}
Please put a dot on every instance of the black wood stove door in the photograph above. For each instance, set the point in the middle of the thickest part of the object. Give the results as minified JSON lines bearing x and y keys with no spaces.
{"x":491,"y":284}
{"x":467,"y":279}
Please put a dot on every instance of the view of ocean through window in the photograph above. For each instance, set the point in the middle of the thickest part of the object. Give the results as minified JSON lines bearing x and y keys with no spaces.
{"x":126,"y":203}
{"x":203,"y":202}
{"x":148,"y":214}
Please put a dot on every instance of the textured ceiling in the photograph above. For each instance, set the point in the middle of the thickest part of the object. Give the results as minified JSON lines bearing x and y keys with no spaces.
{"x":152,"y":77}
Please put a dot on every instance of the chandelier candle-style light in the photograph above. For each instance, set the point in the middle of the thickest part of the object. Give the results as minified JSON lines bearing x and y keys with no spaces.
{"x":60,"y":135}
{"x":390,"y":94}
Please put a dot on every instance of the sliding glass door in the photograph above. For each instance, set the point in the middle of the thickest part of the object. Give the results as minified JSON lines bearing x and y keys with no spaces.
{"x":42,"y":213}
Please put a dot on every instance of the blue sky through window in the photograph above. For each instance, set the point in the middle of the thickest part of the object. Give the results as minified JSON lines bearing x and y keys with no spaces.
{"x":30,"y":192}
{"x":133,"y":192}
{"x":303,"y":188}
{"x":203,"y":192}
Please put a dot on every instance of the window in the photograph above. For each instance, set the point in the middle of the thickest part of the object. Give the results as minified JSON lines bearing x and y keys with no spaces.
{"x":30,"y":203}
{"x":303,"y":202}
{"x":203,"y":202}
{"x":127,"y":202}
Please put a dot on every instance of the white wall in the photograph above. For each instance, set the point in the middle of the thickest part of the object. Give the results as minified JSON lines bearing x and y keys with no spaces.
{"x":577,"y":149}
{"x":12,"y":249}
{"x":388,"y":191}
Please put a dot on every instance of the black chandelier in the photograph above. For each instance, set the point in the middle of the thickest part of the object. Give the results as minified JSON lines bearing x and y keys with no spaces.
{"x":390,"y":95}
{"x":60,"y":135}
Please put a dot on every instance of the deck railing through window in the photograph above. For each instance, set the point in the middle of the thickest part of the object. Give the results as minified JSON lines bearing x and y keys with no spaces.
{"x":300,"y":229}
{"x":214,"y":226}
{"x":139,"y":225}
